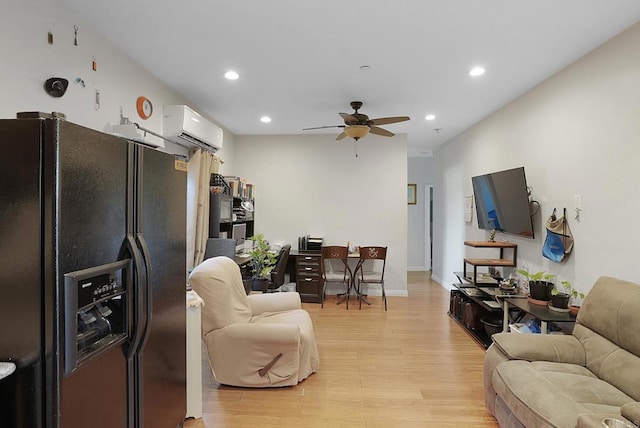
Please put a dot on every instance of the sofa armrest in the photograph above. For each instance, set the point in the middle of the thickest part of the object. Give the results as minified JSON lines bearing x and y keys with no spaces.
{"x":273,"y":302}
{"x":631,"y":411}
{"x":541,"y":347}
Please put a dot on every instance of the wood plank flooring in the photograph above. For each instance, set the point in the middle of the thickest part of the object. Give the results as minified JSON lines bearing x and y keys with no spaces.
{"x":409,"y":367}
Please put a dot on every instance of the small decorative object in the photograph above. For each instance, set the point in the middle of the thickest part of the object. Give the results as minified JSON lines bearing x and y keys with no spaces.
{"x":144,"y":108}
{"x":539,"y":285}
{"x":616,"y":423}
{"x":411,"y":194}
{"x":492,"y":235}
{"x":56,"y":86}
{"x":263,"y":260}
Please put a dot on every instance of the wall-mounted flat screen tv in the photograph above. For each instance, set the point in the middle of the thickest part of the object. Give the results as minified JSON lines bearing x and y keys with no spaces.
{"x":502,"y":202}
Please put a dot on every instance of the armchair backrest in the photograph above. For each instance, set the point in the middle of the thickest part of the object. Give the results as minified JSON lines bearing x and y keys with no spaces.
{"x":218,"y":282}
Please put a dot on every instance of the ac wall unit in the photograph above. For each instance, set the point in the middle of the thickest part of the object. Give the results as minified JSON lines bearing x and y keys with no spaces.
{"x":189,"y":129}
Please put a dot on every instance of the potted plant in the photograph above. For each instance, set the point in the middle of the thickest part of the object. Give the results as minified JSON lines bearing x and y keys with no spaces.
{"x":539,"y":285}
{"x":569,"y":294}
{"x":263,"y":260}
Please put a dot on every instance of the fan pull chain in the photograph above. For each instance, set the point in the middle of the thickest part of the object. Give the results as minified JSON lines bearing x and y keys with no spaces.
{"x":355,"y":147}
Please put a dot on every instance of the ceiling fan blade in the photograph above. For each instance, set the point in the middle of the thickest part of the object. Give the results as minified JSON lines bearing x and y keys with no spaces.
{"x":341,"y":136}
{"x":388,"y":120}
{"x":380,"y":131}
{"x":348,"y":119}
{"x":323,"y":127}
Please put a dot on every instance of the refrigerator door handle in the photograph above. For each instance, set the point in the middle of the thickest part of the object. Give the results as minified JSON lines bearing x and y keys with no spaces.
{"x":137,"y":291}
{"x":148,"y":289}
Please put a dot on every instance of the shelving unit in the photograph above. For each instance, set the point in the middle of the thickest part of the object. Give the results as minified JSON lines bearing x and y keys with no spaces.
{"x":471,"y":300}
{"x":488,"y":262}
{"x":225,"y":210}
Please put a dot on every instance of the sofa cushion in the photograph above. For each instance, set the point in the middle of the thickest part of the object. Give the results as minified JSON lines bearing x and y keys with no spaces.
{"x":611,"y":310}
{"x":543,"y":393}
{"x":607,"y":327}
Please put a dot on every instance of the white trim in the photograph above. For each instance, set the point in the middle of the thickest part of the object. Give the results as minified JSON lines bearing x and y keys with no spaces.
{"x":427,"y":227}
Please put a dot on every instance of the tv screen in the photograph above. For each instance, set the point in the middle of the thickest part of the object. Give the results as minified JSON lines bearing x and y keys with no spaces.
{"x":502,"y":202}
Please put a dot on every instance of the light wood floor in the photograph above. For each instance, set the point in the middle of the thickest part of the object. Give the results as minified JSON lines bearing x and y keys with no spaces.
{"x":410,"y":367}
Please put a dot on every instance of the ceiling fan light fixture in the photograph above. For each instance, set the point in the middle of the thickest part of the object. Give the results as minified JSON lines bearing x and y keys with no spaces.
{"x":356,"y":131}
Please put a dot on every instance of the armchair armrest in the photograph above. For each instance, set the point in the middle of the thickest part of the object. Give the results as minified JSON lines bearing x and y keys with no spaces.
{"x":631,"y":411}
{"x":541,"y":347}
{"x":274,"y":302}
{"x":262,"y":333}
{"x":240,"y":354}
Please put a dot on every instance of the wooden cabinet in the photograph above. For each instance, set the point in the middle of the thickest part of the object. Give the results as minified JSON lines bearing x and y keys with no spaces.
{"x":308,"y":276}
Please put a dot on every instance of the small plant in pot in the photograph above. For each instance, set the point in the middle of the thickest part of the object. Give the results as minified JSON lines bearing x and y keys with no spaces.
{"x":568,"y":295}
{"x":263,"y":260}
{"x":539,"y":285}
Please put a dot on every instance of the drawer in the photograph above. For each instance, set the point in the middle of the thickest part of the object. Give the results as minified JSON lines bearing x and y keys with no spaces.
{"x":309,"y":285}
{"x":304,"y":269}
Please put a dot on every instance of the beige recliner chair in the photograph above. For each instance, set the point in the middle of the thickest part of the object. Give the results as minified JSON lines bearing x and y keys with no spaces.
{"x":260,"y":340}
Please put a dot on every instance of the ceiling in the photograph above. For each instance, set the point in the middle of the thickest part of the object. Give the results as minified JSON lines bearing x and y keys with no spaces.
{"x":300,"y":62}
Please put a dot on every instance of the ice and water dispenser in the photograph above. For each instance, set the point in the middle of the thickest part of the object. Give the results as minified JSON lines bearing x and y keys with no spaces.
{"x":95,"y":311}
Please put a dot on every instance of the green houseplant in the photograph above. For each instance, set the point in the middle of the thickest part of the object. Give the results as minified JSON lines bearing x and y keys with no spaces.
{"x":540,"y":285}
{"x":566,"y":295}
{"x":263,"y":260}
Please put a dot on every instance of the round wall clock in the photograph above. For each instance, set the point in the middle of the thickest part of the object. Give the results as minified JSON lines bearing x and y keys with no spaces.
{"x":144,"y":107}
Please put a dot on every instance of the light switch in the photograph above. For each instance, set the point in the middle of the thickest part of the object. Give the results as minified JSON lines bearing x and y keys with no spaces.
{"x":577,"y":201}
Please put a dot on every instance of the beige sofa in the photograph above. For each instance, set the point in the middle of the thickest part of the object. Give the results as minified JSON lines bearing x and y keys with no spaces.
{"x":261,"y":340}
{"x":534,"y":380}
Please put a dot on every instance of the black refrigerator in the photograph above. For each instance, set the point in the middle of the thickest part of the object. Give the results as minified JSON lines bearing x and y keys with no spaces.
{"x":92,"y":279}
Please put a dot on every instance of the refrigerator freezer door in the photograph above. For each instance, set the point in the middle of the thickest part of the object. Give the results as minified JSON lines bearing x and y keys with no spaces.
{"x":21,"y":294}
{"x":91,"y":227}
{"x":162,"y":234}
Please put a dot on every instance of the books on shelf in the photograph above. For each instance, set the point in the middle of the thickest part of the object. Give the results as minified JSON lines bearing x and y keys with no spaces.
{"x":240,"y":188}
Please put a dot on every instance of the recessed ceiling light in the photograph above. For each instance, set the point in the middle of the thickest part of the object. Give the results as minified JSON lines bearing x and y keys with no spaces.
{"x":430,"y":117}
{"x":231,"y":75}
{"x":476,"y":71}
{"x":265,"y":119}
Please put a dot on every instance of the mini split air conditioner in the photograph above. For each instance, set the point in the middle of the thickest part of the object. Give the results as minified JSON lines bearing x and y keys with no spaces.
{"x":187,"y":128}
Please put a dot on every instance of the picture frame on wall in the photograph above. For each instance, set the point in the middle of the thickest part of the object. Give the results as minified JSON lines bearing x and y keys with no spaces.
{"x":411,"y":194}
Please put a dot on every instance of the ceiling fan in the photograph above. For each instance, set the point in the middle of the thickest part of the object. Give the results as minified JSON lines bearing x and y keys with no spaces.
{"x":357,"y":125}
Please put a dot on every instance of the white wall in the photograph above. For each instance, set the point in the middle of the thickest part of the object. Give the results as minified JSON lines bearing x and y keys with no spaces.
{"x":420,"y":172}
{"x":577,"y":133}
{"x":27,"y":60}
{"x":312,"y":184}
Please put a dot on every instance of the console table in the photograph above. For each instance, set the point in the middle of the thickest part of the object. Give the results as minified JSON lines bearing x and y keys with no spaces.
{"x":543,"y":313}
